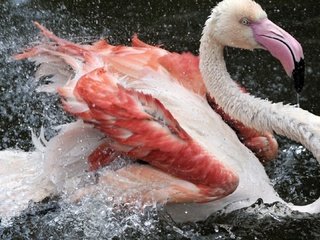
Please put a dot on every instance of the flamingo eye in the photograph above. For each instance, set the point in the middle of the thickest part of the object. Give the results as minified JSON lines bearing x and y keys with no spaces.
{"x":245,"y":21}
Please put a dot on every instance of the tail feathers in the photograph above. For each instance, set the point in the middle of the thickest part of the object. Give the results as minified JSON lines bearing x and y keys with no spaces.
{"x":22,"y":179}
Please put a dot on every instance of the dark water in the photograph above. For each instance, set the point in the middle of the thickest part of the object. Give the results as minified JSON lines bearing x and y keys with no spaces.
{"x":177,"y":26}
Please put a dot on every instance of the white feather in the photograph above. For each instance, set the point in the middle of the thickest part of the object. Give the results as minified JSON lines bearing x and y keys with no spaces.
{"x":55,"y":167}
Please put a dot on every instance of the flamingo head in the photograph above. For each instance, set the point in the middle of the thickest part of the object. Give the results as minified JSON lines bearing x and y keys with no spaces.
{"x":244,"y":24}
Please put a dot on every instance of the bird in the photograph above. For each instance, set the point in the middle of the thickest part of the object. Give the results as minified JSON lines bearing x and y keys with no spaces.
{"x":169,"y":111}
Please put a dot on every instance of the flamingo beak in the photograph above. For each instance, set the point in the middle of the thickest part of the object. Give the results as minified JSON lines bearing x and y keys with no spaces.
{"x":283,"y":47}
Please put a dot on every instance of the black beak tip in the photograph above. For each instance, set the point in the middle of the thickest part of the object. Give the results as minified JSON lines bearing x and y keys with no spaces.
{"x":298,"y":75}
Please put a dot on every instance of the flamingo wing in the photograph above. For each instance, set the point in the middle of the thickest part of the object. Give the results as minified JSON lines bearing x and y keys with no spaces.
{"x":142,"y":128}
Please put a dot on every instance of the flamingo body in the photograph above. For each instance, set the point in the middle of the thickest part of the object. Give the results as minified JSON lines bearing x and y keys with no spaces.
{"x":149,"y":108}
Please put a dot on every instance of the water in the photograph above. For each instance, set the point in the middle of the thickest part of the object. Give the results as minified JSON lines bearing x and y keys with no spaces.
{"x":177,"y":26}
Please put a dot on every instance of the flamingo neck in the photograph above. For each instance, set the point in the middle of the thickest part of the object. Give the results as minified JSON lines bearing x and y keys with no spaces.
{"x":262,"y":115}
{"x":225,"y":90}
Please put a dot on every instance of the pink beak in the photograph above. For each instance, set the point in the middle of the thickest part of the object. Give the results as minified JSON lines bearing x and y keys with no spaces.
{"x":283,"y":47}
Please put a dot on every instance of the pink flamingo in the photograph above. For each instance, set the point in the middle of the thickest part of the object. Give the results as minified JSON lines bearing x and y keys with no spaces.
{"x":146,"y":103}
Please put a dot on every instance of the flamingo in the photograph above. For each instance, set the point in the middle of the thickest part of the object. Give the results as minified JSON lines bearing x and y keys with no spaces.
{"x":145,"y":103}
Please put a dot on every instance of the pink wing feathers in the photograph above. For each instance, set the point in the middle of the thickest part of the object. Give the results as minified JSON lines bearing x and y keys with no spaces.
{"x":143,"y":129}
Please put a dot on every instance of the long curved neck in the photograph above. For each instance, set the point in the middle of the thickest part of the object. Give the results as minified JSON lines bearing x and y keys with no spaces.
{"x":262,"y":115}
{"x":225,"y":91}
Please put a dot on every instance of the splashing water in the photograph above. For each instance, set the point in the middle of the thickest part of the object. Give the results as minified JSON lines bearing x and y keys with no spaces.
{"x":295,"y":174}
